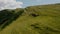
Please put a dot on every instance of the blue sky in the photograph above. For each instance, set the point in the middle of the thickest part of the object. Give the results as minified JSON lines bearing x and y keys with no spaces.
{"x":37,"y":2}
{"x":13,"y":4}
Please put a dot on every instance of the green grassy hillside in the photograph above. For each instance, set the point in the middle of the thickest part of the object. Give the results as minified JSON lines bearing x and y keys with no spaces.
{"x":43,"y":19}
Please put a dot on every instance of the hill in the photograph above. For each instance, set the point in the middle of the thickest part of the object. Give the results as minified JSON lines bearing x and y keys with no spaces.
{"x":41,"y":19}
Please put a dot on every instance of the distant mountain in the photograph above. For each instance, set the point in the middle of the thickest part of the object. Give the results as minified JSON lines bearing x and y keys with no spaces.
{"x":41,"y":19}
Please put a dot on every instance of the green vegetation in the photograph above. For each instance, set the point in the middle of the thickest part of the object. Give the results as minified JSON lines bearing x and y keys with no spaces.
{"x":43,"y":19}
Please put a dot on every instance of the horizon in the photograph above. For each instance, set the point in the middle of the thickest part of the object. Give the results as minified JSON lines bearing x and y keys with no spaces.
{"x":13,"y":4}
{"x":37,"y":2}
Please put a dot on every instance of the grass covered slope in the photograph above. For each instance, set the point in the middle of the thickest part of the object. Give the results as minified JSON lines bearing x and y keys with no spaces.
{"x":44,"y":19}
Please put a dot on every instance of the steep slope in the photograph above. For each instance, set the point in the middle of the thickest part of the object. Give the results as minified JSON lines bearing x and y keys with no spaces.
{"x":44,"y":19}
{"x":8,"y":16}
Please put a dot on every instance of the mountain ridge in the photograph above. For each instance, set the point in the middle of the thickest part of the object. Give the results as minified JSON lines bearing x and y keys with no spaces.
{"x":44,"y":19}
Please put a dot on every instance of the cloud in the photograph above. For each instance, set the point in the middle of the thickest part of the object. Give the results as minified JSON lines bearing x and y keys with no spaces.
{"x":10,"y":4}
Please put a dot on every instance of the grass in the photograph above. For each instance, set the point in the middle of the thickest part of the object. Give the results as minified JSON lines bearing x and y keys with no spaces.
{"x":47,"y":21}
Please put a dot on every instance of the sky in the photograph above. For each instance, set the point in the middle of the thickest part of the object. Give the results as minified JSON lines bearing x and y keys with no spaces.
{"x":13,"y":4}
{"x":38,"y":2}
{"x":10,"y":4}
